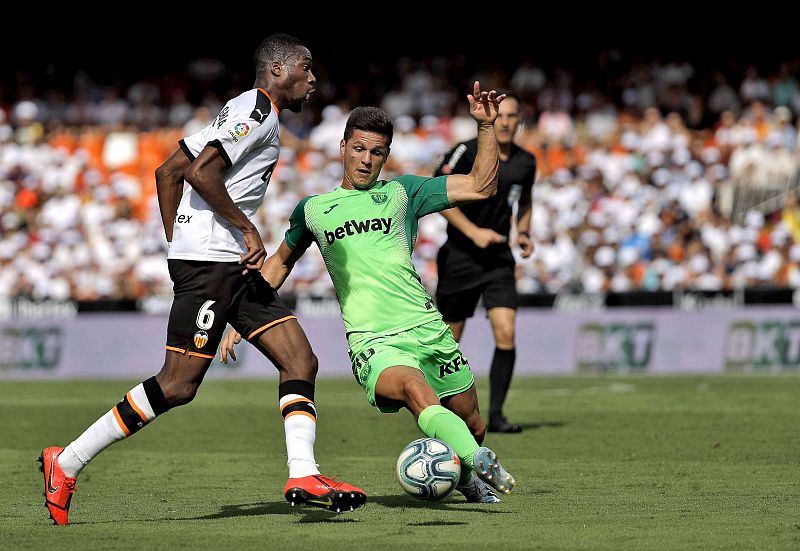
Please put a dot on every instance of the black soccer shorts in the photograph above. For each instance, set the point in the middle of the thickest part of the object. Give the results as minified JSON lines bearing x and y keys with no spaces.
{"x":499,"y":291}
{"x":209,"y":295}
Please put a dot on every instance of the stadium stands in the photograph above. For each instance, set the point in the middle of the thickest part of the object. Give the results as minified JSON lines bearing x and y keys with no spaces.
{"x":658,"y":179}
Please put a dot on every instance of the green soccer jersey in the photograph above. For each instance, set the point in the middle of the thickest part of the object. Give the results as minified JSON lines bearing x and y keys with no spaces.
{"x":366,"y":238}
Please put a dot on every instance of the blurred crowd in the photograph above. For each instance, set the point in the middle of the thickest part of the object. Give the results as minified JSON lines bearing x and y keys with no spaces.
{"x":637,"y":174}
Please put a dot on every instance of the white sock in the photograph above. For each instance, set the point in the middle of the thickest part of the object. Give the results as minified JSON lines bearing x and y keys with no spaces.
{"x":124,"y":419}
{"x":300,"y":425}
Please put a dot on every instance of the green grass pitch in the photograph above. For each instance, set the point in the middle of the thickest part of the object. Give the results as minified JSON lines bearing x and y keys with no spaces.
{"x":604,"y":463}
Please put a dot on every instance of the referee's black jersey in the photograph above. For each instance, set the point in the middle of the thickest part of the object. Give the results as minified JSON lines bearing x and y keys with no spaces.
{"x":463,"y":258}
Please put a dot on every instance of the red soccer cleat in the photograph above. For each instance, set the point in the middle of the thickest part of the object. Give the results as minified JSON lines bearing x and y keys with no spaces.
{"x":321,"y":491}
{"x":58,"y":488}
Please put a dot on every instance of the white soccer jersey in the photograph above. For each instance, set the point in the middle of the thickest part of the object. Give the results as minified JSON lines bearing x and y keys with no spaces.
{"x":247,"y":136}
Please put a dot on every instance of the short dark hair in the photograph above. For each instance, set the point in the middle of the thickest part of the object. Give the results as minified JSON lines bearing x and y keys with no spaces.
{"x":276,"y":47}
{"x":369,"y":119}
{"x":508,"y":93}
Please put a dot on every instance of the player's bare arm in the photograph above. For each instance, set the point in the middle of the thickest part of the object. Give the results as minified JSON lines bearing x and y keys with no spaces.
{"x":206,"y":176}
{"x":169,"y":187}
{"x":279,"y":265}
{"x":524,"y":212}
{"x":481,"y":182}
{"x":482,"y":237}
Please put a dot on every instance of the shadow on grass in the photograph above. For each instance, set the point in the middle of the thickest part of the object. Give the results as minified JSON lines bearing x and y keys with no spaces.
{"x":308,"y":514}
{"x":437,"y":523}
{"x":408,"y":502}
{"x":541,"y":425}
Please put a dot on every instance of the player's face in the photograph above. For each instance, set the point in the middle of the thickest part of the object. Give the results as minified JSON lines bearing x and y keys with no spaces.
{"x":364,"y":155}
{"x":300,"y":81}
{"x":507,"y":121}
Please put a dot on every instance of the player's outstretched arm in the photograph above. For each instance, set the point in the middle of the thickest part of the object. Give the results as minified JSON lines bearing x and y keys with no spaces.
{"x":206,"y":176}
{"x":481,"y":182}
{"x":169,"y":187}
{"x":278,"y":266}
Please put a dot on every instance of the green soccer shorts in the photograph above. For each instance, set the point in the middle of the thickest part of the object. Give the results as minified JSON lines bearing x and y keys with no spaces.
{"x":430,"y":348}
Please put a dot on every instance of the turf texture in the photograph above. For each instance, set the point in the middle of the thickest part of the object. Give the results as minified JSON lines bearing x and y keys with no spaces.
{"x":603,"y":463}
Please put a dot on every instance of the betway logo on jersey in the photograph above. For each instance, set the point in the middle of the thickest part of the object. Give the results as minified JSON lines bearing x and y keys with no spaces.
{"x":353,"y":227}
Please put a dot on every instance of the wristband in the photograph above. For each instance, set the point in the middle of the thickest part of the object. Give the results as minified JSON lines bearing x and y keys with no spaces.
{"x":526,"y":234}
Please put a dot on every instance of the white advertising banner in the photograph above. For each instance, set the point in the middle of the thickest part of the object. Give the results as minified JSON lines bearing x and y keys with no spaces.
{"x":635,"y":340}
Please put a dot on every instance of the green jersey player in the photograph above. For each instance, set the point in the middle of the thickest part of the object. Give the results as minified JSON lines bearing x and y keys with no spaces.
{"x":402,"y":352}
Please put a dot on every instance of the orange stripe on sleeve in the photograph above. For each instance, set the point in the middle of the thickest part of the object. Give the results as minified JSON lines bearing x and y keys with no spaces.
{"x":138,"y":411}
{"x":173,"y":349}
{"x":270,"y":324}
{"x":119,"y":421}
{"x":201,"y":355}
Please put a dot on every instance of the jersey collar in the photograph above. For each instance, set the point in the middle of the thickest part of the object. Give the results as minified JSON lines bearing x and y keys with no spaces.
{"x":278,"y":111}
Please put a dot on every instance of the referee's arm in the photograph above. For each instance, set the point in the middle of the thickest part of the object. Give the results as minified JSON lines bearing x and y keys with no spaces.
{"x":524,"y":212}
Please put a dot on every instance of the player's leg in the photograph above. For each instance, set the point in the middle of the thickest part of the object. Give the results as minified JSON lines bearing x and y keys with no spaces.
{"x":457,"y":328}
{"x":456,"y":307}
{"x":465,"y":405}
{"x":175,"y":385}
{"x":448,"y":373}
{"x":405,"y":384}
{"x":387,"y":367}
{"x":287,"y":347}
{"x":195,"y":326}
{"x":264,"y":320}
{"x":500,"y":299}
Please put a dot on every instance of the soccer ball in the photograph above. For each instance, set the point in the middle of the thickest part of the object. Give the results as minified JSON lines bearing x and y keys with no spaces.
{"x":428,"y":469}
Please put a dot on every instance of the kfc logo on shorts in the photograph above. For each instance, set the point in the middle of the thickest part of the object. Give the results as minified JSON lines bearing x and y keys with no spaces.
{"x":200,"y":339}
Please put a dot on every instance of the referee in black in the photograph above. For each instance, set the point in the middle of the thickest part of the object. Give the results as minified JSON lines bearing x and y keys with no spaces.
{"x":476,"y":260}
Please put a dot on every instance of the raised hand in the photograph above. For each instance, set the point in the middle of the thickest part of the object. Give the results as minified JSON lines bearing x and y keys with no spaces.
{"x":483,"y":105}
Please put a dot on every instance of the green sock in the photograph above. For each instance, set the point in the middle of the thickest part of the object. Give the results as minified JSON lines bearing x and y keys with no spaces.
{"x":439,"y":422}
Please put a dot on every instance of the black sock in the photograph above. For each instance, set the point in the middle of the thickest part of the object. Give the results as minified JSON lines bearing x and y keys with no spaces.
{"x":500,"y":379}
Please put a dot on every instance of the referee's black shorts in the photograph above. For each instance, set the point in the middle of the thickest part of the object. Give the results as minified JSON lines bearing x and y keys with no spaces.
{"x":497,"y":290}
{"x":209,"y":295}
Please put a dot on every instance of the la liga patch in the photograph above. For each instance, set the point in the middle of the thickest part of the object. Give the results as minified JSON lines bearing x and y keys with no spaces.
{"x":242,"y":129}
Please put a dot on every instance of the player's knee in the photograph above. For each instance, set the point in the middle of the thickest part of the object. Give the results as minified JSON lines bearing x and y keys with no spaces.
{"x":303,"y":367}
{"x":504,"y":335}
{"x":179,"y":394}
{"x":313,"y":365}
{"x":416,"y":391}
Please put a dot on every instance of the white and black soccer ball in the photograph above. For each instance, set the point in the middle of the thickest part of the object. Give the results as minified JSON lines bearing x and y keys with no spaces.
{"x":428,"y":469}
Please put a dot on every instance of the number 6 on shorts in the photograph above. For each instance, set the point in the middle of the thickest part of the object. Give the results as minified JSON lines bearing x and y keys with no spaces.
{"x":205,"y":317}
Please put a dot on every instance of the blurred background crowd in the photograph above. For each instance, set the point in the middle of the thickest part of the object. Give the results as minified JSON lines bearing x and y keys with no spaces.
{"x":652,"y":174}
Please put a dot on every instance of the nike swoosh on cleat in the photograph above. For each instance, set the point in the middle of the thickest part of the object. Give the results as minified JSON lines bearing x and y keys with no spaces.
{"x":323,"y":482}
{"x":50,"y":476}
{"x":325,"y":503}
